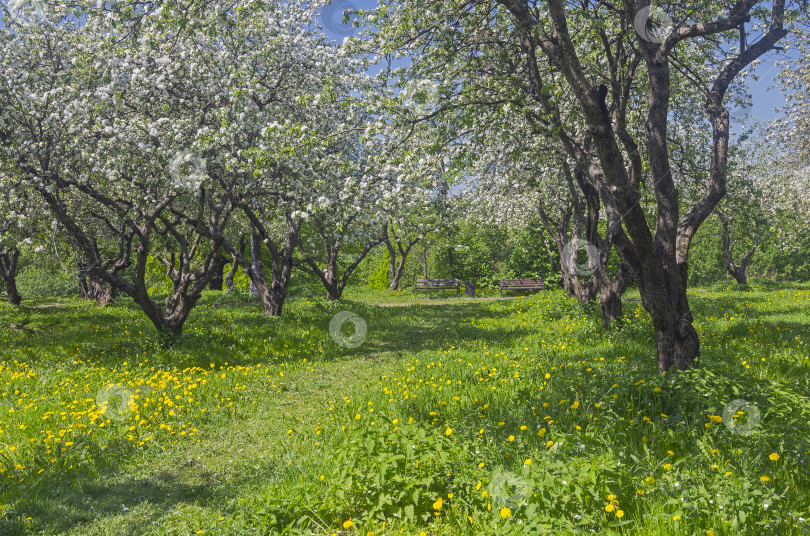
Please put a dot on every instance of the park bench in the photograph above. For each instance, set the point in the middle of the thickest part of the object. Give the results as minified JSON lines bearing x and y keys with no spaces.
{"x":521,"y":284}
{"x":437,"y":284}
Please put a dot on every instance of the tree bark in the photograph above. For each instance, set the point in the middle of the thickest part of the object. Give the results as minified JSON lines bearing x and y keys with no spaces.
{"x":398,"y":272}
{"x":738,"y":272}
{"x":396,"y":265}
{"x":332,"y":244}
{"x":273,"y":292}
{"x":218,"y":279}
{"x":392,"y":260}
{"x":9,"y":259}
{"x":188,"y":283}
{"x":333,"y":284}
{"x":255,"y":259}
{"x":610,"y":296}
{"x":229,"y":284}
{"x":93,"y":288}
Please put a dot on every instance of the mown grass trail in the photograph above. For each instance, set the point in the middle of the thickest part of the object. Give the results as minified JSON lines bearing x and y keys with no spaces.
{"x":491,"y":417}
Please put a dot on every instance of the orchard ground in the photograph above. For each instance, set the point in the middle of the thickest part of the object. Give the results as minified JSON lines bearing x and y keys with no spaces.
{"x":515,"y":416}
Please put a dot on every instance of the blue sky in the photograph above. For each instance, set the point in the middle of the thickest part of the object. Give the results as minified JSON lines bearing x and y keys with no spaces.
{"x":763,"y":101}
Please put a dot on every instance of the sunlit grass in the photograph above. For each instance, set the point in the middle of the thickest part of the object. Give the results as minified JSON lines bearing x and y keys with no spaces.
{"x":457,"y":417}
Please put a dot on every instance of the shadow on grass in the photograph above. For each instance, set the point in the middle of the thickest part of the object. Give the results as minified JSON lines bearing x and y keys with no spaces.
{"x":60,"y":503}
{"x":240,"y":334}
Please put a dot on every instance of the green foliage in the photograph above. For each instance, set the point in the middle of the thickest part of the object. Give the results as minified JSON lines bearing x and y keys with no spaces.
{"x":487,"y":254}
{"x":528,"y":257}
{"x":381,"y":277}
{"x":241,"y":280}
{"x":156,"y":280}
{"x":407,"y":466}
{"x":35,"y":283}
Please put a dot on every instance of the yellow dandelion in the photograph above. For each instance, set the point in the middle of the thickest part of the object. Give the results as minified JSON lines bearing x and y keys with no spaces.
{"x":774,"y":456}
{"x":505,"y":512}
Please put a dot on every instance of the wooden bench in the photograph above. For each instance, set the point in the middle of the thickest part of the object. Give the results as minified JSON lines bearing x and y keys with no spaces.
{"x":521,"y":284}
{"x":437,"y":284}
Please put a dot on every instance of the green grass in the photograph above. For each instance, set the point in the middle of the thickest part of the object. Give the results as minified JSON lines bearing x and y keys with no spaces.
{"x":255,"y":425}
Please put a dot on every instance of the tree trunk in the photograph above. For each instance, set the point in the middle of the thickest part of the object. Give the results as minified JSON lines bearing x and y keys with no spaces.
{"x":14,"y":297}
{"x":737,"y":272}
{"x":398,"y":272}
{"x":658,"y":258}
{"x":610,"y":297}
{"x":274,"y":292}
{"x":168,"y":320}
{"x":610,"y":305}
{"x":255,"y":258}
{"x":229,"y":284}
{"x":275,"y":298}
{"x":188,"y":283}
{"x":92,"y":287}
{"x":8,"y":270}
{"x":218,"y":278}
{"x":392,"y":262}
{"x":677,"y":343}
{"x":395,"y":268}
{"x":105,"y":295}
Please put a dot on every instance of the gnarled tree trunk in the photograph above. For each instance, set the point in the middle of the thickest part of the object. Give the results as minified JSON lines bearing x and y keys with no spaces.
{"x":218,"y":278}
{"x":273,"y":292}
{"x":332,"y":282}
{"x":257,"y":265}
{"x":8,"y":271}
{"x":92,"y":287}
{"x":738,"y":272}
{"x":229,"y":284}
{"x":397,"y":265}
{"x":658,"y":258}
